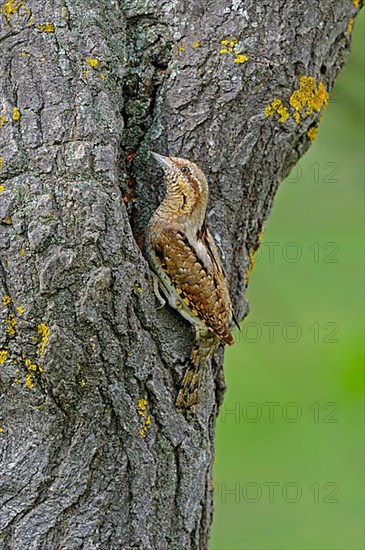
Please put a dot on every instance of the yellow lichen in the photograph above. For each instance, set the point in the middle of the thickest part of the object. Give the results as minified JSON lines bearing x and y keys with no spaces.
{"x":22,"y":252}
{"x":196,"y":45}
{"x":296,"y":117}
{"x":10,"y":7}
{"x":8,"y":220}
{"x":305,"y":100}
{"x":276,"y":106}
{"x":20,"y":310}
{"x":82,"y":383}
{"x":1,"y":162}
{"x":142,"y":412}
{"x":229,"y":44}
{"x":44,"y":332}
{"x":3,"y":120}
{"x":261,"y":235}
{"x":3,"y":356}
{"x":251,"y":265}
{"x":350,"y":25}
{"x":138,"y":287}
{"x":1,"y":430}
{"x":29,"y":381}
{"x":102,"y":76}
{"x":230,"y":48}
{"x":47,"y":27}
{"x":312,"y":133}
{"x":6,"y":300}
{"x":142,"y":407}
{"x":2,"y":189}
{"x":146,"y":423}
{"x":182,"y":48}
{"x":308,"y":98}
{"x":93,"y":62}
{"x":11,"y":324}
{"x":15,"y":114}
{"x":240,"y":58}
{"x":32,"y":366}
{"x":356,"y":3}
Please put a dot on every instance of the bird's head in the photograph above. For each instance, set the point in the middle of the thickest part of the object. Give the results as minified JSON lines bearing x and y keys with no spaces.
{"x":185,"y":182}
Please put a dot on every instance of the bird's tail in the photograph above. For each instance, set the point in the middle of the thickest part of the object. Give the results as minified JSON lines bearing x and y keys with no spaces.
{"x":189,"y":393}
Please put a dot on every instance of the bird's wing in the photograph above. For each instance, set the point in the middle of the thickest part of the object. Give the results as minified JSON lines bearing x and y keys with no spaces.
{"x":203,"y":289}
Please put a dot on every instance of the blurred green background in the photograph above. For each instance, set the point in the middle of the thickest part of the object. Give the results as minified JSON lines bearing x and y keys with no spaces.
{"x":289,"y":470}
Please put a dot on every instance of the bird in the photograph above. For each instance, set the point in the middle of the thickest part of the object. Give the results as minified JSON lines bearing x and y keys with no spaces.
{"x":187,"y":267}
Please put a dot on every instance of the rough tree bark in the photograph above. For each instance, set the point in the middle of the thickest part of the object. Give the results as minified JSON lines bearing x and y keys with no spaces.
{"x":93,"y":452}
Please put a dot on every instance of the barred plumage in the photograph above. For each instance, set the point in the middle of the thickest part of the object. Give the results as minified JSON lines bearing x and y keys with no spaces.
{"x":184,"y":256}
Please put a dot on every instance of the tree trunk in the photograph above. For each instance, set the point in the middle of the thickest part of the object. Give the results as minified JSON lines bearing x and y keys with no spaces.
{"x":94,"y":454}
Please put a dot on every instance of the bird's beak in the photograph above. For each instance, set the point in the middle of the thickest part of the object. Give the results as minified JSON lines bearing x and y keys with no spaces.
{"x":164,"y":161}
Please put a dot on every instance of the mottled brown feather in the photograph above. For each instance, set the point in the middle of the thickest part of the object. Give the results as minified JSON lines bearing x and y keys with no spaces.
{"x":206,"y":293}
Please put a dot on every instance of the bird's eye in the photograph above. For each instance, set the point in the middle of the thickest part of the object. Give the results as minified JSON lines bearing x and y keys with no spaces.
{"x":185,"y":170}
